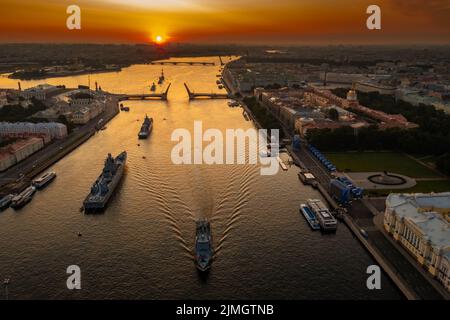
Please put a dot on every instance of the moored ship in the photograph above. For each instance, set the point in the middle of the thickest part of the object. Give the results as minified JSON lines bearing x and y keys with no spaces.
{"x":44,"y":180}
{"x":161,"y":77}
{"x":6,"y":201}
{"x":310,"y":216}
{"x":203,"y":245}
{"x":23,"y":198}
{"x":326,"y":219}
{"x":146,"y":128}
{"x":106,"y":183}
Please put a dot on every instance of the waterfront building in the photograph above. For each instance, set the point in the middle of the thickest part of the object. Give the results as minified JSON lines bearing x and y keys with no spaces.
{"x":301,"y":110}
{"x":420,"y":223}
{"x":52,"y":130}
{"x":326,"y":98}
{"x":88,"y":112}
{"x":81,"y":99}
{"x":40,"y":92}
{"x":19,"y":150}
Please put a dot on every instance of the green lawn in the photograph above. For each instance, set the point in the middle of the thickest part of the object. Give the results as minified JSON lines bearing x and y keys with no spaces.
{"x":422,"y":186}
{"x":380,"y":161}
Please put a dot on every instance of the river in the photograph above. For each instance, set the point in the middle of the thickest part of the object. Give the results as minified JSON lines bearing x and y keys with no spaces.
{"x":141,"y":247}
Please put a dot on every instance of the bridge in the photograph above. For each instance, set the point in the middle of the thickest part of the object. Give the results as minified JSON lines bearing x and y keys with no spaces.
{"x":176,"y":63}
{"x":146,"y":96}
{"x":195,"y":95}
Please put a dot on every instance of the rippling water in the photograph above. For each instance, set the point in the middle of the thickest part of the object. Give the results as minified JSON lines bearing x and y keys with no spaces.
{"x":141,"y":247}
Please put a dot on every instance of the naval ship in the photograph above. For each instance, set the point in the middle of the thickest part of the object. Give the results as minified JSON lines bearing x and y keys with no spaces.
{"x":161,"y":77}
{"x":146,"y":128}
{"x":105,"y":184}
{"x":6,"y":201}
{"x":203,"y":245}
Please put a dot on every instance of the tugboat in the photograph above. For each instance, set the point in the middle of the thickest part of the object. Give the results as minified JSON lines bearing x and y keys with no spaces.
{"x":106,"y":183}
{"x":43,"y":181}
{"x":153,"y":87}
{"x":23,"y":198}
{"x":5,"y":202}
{"x":146,"y":128}
{"x":203,"y":245}
{"x":161,"y":77}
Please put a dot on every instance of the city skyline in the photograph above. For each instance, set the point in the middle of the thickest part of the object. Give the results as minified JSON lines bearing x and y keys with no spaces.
{"x":199,"y":21}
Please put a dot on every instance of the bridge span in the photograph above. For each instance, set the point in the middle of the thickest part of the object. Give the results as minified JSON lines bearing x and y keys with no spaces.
{"x":146,"y":96}
{"x":195,"y":95}
{"x":176,"y":63}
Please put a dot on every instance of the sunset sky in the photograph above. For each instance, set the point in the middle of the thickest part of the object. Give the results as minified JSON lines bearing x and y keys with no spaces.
{"x":226,"y":21}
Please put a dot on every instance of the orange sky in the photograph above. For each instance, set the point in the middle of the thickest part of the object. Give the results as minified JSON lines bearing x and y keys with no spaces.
{"x":218,"y":21}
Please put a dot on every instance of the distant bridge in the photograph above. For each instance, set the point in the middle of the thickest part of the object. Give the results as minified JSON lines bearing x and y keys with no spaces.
{"x":146,"y":96}
{"x":195,"y":95}
{"x":175,"y":63}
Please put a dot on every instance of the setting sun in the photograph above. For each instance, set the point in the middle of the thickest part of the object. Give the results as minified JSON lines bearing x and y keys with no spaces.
{"x":159,"y":39}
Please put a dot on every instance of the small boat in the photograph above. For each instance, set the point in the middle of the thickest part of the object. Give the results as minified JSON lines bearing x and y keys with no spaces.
{"x":233,"y":103}
{"x":364,"y":233}
{"x":282,"y":164}
{"x":6,"y":201}
{"x":44,"y":180}
{"x":310,"y":217}
{"x":126,"y":109}
{"x":104,"y":128}
{"x":220,"y":86}
{"x":23,"y":198}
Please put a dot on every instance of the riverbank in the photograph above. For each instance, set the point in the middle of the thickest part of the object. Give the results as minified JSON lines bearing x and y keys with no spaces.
{"x":19,"y":176}
{"x":40,"y":76}
{"x":410,"y":282}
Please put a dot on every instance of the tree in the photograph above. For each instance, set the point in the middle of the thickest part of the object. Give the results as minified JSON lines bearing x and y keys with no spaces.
{"x":443,"y":163}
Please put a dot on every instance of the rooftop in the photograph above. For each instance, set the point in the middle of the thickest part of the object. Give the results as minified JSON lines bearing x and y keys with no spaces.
{"x":425,"y":211}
